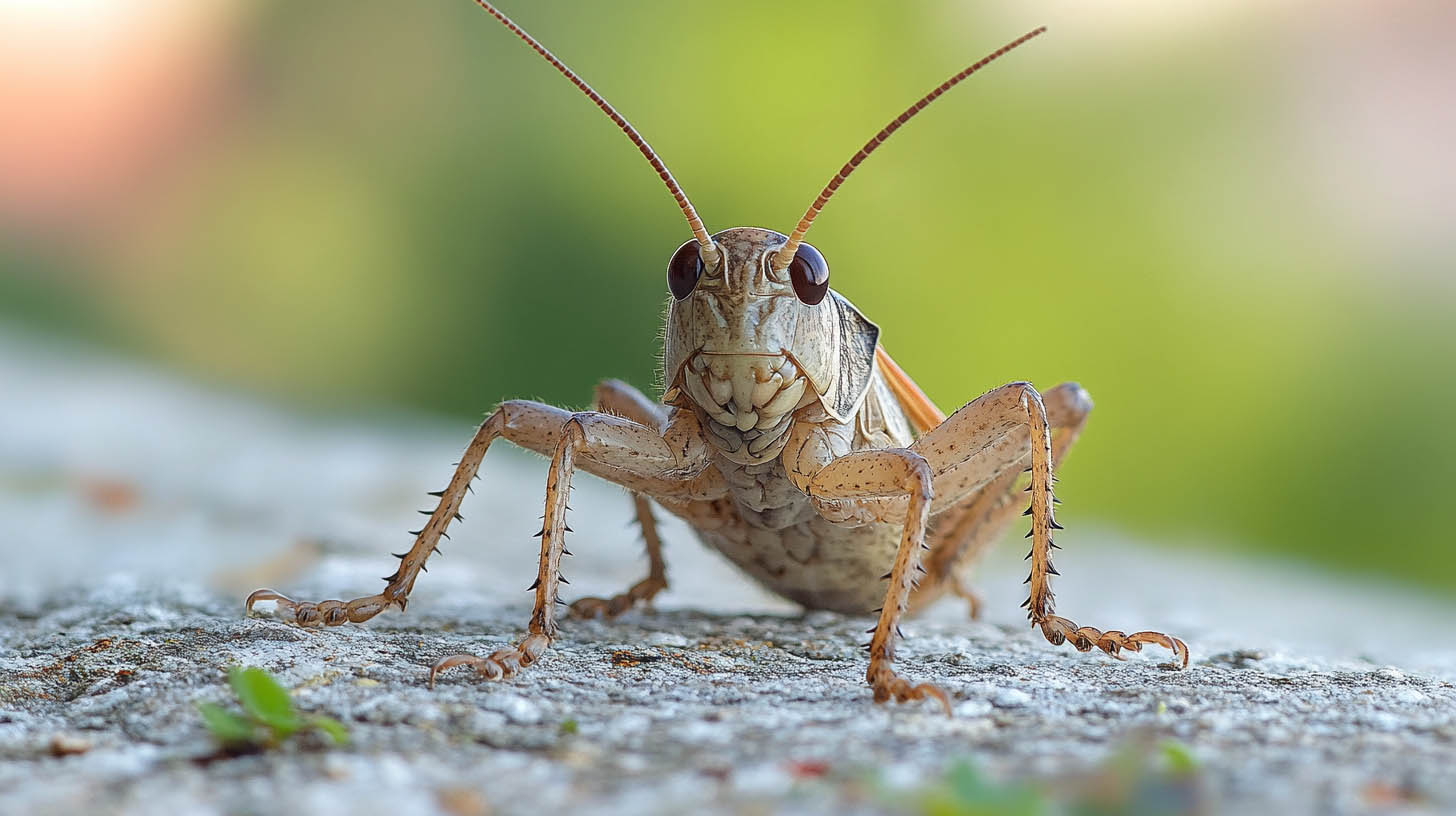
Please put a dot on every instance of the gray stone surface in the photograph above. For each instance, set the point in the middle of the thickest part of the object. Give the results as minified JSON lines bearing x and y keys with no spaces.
{"x":138,"y":511}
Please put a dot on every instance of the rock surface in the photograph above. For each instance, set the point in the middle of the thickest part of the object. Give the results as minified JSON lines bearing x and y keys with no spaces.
{"x":139,"y":511}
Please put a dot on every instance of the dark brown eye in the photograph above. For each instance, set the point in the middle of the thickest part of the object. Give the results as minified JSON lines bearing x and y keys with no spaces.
{"x":684,"y":270}
{"x":809,"y":274}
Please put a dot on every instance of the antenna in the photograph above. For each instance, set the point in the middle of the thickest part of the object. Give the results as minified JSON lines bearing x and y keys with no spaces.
{"x":708,"y":251}
{"x":786,"y":252}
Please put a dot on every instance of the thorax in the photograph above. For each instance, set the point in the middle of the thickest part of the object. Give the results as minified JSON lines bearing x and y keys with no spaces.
{"x":761,"y":489}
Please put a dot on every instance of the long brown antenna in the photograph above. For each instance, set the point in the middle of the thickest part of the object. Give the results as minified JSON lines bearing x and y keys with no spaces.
{"x":708,"y":250}
{"x":786,"y":252}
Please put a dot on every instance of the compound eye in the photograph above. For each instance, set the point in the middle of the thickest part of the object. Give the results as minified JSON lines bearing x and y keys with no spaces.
{"x":684,"y":270}
{"x":810,"y":275}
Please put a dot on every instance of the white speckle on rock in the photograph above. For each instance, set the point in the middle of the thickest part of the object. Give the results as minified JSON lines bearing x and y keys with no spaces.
{"x":821,"y":617}
{"x":1408,"y":696}
{"x":480,"y":723}
{"x":337,"y":767}
{"x":1010,"y":698}
{"x":631,"y":723}
{"x":517,"y":709}
{"x":632,"y":763}
{"x":762,"y":779}
{"x":972,"y":708}
{"x":1380,"y":720}
{"x":702,"y":731}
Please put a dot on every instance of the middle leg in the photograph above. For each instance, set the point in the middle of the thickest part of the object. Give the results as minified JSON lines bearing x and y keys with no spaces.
{"x":620,"y":399}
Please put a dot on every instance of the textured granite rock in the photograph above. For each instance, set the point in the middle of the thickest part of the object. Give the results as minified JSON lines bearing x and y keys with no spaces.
{"x":138,"y":511}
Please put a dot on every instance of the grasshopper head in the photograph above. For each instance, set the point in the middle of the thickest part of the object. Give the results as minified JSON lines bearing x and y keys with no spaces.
{"x":750,"y":343}
{"x":754,"y":332}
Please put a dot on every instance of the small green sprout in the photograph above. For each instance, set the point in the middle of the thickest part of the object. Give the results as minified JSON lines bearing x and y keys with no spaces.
{"x":268,"y":717}
{"x":1178,"y":758}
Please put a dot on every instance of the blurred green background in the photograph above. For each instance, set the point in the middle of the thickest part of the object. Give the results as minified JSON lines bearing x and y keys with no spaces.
{"x":1231,"y":222}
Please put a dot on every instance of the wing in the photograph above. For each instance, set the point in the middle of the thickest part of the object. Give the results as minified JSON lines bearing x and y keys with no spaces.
{"x":922,"y":413}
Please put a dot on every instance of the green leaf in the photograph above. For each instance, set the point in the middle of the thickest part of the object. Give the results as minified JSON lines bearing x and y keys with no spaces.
{"x":264,"y":699}
{"x":332,"y":727}
{"x":226,"y":727}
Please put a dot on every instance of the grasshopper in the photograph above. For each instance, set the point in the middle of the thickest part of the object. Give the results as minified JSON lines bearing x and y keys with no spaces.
{"x":790,"y":441}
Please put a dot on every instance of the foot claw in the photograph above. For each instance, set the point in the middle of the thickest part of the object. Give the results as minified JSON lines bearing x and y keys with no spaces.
{"x":595,"y":607}
{"x":887,"y":684}
{"x":502,"y":664}
{"x":265,"y":594}
{"x":606,"y":608}
{"x":1058,"y":630}
{"x":1172,"y":644}
{"x":323,"y":613}
{"x":456,"y":660}
{"x":609,"y":608}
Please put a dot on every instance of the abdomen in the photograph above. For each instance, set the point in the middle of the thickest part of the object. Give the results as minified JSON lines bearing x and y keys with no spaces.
{"x":813,"y":562}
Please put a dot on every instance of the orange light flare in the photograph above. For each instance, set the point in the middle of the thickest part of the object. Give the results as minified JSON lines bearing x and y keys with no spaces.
{"x":96,"y":98}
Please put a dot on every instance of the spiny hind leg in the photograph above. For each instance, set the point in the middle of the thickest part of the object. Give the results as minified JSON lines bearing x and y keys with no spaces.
{"x":621,"y":399}
{"x":1039,"y":599}
{"x":972,"y":448}
{"x":961,"y":534}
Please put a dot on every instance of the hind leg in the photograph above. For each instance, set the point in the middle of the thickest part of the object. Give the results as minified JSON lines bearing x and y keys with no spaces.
{"x":1003,"y":404}
{"x":988,"y":442}
{"x":962,"y":534}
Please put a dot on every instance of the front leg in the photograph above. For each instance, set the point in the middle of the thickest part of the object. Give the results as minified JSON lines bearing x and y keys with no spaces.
{"x":619,"y":449}
{"x":882,"y":474}
{"x":532,"y":420}
{"x":665,"y":467}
